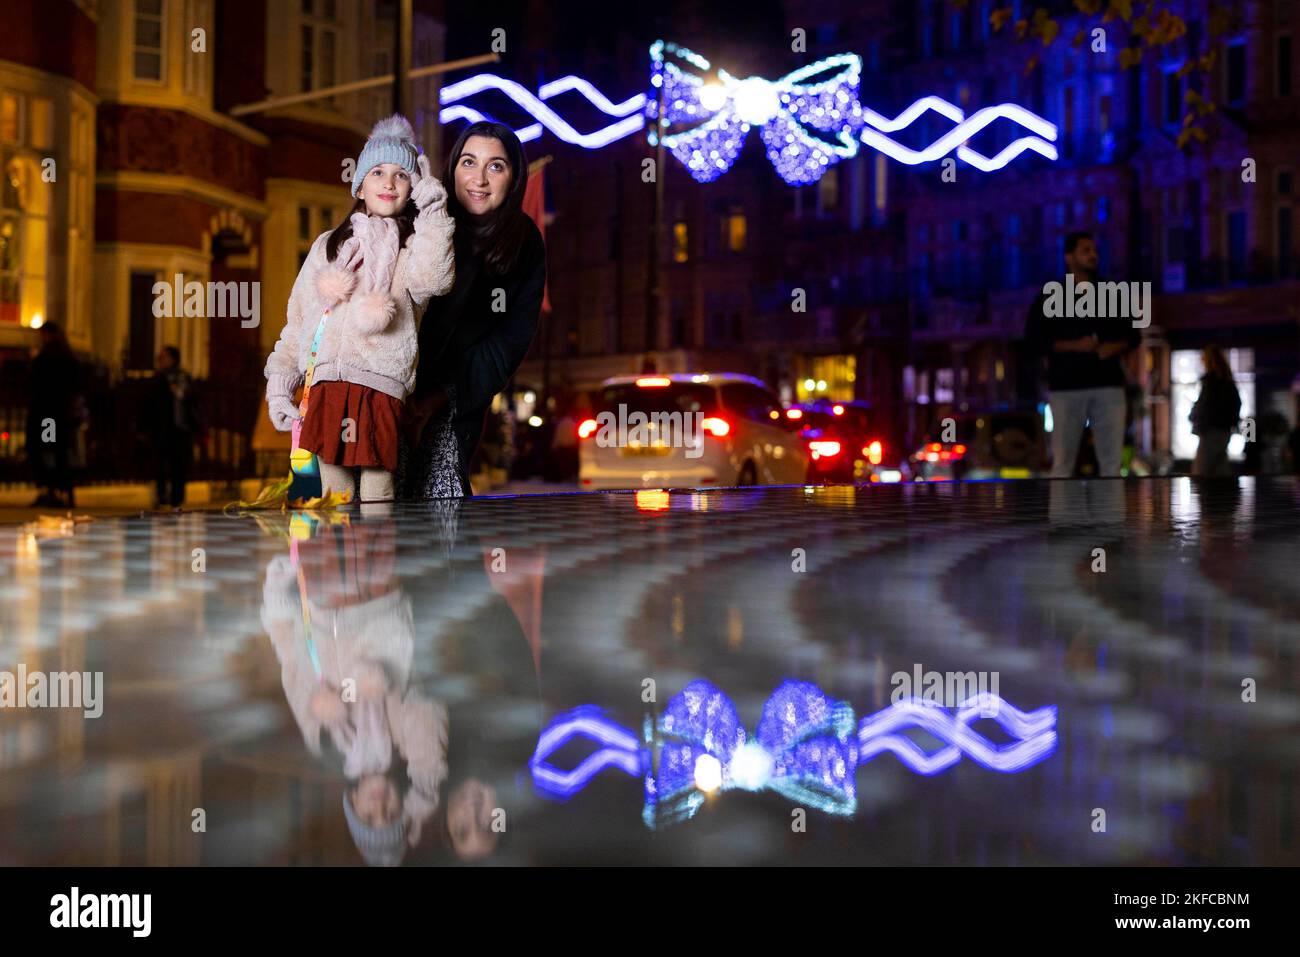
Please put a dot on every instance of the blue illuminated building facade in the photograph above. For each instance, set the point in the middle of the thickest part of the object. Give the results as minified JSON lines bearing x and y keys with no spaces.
{"x":914,"y":286}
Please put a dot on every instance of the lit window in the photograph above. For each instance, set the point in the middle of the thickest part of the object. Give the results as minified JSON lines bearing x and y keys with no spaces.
{"x":736,"y":231}
{"x":148,"y":46}
{"x":9,"y":110}
{"x":319,"y":53}
{"x":681,"y":247}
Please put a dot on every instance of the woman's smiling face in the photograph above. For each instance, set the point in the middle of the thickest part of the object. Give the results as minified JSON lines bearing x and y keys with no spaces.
{"x":483,"y":175}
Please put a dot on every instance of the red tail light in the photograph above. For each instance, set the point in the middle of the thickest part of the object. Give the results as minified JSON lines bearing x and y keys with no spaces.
{"x":716,"y":426}
{"x":824,"y":448}
{"x":959,"y":450}
{"x":875,"y":452}
{"x":586,"y":428}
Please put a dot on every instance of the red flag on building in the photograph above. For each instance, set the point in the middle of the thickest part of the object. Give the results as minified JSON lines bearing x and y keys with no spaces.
{"x":535,"y":206}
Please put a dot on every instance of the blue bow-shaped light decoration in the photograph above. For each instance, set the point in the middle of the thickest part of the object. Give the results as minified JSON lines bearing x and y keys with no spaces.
{"x":805,"y":748}
{"x":805,"y":126}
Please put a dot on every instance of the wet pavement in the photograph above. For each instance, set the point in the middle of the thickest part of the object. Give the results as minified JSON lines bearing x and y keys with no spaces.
{"x":372,"y":686}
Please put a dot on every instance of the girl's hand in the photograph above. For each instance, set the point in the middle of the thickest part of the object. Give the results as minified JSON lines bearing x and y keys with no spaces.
{"x":283,"y":412}
{"x":427,"y":192}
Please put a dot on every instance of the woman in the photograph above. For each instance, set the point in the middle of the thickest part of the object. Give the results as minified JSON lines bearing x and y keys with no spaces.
{"x":1215,"y":414}
{"x":473,"y":339}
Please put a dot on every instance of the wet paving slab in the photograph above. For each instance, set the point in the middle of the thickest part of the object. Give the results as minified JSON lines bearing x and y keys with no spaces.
{"x":1028,"y":672}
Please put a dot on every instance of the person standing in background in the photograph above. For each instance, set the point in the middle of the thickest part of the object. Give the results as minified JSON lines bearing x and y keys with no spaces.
{"x":175,"y":420}
{"x":1085,"y":379}
{"x":55,"y":383}
{"x":1215,"y":415}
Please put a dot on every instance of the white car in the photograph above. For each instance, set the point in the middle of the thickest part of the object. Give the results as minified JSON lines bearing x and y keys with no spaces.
{"x":687,"y":431}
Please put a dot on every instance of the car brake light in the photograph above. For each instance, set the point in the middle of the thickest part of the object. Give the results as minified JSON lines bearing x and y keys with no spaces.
{"x":933,"y":447}
{"x":959,"y":450}
{"x":875,"y":452}
{"x":716,"y":426}
{"x":945,"y":455}
{"x":824,"y":448}
{"x":653,"y":381}
{"x":586,"y":428}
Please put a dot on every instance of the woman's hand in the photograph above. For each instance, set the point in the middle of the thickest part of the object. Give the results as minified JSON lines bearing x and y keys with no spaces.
{"x":427,"y":192}
{"x":416,"y":413}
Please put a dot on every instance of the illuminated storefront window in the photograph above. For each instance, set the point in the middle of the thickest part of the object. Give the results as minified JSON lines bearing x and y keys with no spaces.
{"x":826,"y":377}
{"x":1185,"y":387}
{"x":23,"y":242}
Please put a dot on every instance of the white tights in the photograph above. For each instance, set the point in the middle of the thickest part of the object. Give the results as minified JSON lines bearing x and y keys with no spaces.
{"x":376,"y":484}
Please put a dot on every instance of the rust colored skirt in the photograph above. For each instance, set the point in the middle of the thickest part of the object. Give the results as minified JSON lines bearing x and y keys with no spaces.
{"x":377,"y":417}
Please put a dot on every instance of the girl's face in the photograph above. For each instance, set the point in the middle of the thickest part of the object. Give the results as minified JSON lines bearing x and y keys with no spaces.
{"x":385,"y":189}
{"x":483,"y":175}
{"x":376,"y":801}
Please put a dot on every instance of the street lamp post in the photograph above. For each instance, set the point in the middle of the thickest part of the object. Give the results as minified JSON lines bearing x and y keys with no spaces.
{"x":654,"y":291}
{"x":403,"y":39}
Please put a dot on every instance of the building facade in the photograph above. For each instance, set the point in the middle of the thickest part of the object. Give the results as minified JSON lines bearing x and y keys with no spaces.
{"x":916,"y":285}
{"x":139,"y":149}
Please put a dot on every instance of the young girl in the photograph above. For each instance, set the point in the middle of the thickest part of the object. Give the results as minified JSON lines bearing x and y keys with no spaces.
{"x":354,"y":314}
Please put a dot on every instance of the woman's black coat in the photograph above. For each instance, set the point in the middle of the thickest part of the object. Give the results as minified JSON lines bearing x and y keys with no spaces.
{"x":474,"y":338}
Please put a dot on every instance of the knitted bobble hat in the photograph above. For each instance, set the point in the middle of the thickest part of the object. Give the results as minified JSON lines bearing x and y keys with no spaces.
{"x":379,"y":846}
{"x":391,"y":141}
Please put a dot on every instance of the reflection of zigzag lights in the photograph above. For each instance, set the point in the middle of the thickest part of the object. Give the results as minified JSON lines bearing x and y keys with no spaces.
{"x":1036,"y":731}
{"x":872,"y":134}
{"x":1035,"y":734}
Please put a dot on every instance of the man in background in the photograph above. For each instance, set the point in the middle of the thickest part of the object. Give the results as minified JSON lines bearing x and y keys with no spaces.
{"x":1085,"y":379}
{"x":175,"y":420}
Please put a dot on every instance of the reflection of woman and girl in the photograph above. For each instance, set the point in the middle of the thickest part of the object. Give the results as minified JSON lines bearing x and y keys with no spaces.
{"x":345,"y":633}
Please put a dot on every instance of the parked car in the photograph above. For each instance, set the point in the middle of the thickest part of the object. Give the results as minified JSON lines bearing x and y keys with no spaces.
{"x":688,"y":430}
{"x":844,"y":444}
{"x":999,"y":444}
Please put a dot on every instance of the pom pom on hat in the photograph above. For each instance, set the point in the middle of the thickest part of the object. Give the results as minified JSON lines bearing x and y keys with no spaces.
{"x":395,"y":127}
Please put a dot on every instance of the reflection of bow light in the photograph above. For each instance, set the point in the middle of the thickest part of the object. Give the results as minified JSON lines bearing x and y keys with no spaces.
{"x":805,"y":746}
{"x":806,"y":126}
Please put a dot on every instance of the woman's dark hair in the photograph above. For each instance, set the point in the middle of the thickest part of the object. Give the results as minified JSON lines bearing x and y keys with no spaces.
{"x":1216,"y":364}
{"x":496,"y":236}
{"x":405,"y":227}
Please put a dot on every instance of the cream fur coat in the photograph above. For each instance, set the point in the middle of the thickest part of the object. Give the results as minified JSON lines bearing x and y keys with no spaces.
{"x":370,"y":338}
